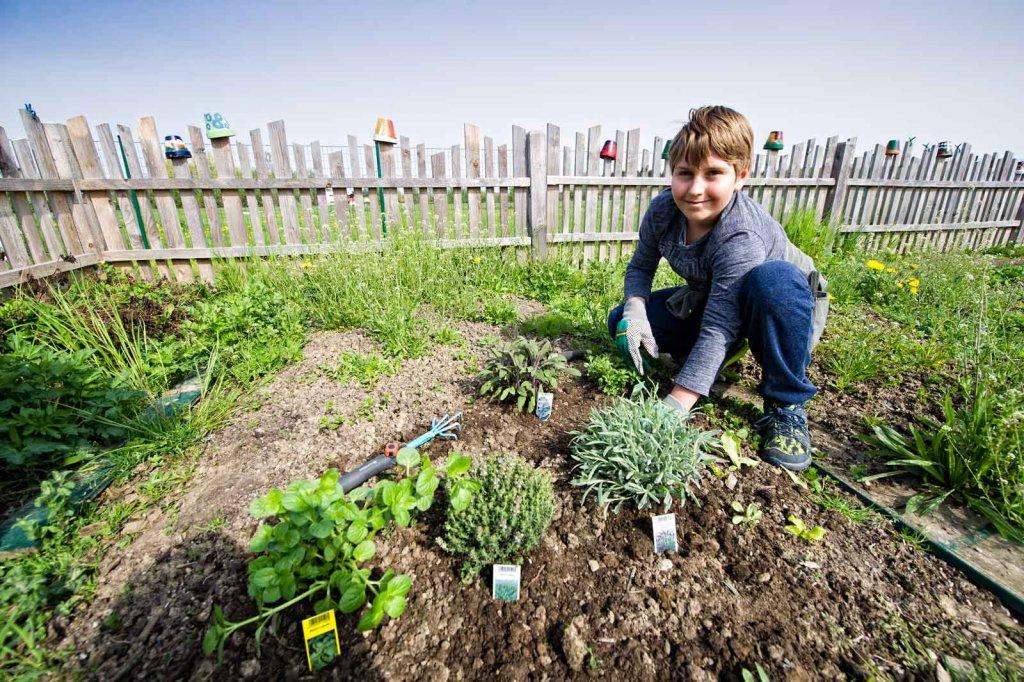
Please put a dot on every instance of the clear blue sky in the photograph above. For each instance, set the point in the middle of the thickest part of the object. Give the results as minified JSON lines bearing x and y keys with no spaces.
{"x":876,"y":70}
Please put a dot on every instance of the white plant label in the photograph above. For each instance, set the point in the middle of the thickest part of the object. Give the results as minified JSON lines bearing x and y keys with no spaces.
{"x":545,"y":401}
{"x":663,"y":529}
{"x":505,"y":582}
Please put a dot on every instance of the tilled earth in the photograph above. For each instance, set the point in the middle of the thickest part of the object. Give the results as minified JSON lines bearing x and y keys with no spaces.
{"x":596,"y":601}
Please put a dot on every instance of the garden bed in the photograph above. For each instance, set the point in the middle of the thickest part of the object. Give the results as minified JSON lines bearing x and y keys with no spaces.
{"x":596,"y":600}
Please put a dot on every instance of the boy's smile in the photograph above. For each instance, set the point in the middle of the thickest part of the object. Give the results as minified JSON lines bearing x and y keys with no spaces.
{"x":703,"y":193}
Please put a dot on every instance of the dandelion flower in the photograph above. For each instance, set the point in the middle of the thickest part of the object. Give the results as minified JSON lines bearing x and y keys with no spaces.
{"x":899,"y":283}
{"x":875,"y":264}
{"x":914,"y":282}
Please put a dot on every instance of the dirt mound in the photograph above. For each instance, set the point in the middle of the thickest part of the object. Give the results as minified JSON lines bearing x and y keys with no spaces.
{"x":595,"y":601}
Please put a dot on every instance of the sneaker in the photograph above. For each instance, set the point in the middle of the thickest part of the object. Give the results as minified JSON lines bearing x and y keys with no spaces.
{"x":785,"y":439}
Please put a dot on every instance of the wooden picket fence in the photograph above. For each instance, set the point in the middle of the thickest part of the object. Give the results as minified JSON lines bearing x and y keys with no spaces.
{"x":74,"y":196}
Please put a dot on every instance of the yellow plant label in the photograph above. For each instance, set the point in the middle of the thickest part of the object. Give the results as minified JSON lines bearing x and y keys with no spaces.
{"x":321,"y":638}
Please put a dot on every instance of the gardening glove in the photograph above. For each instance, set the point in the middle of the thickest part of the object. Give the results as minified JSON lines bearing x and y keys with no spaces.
{"x":673,"y":404}
{"x":635,"y":331}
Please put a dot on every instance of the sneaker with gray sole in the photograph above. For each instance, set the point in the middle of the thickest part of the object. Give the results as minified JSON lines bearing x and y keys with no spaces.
{"x":785,"y":438}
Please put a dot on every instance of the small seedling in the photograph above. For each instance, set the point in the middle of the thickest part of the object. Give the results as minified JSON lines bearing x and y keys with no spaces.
{"x":748,"y":516}
{"x":730,"y":442}
{"x":761,"y":676}
{"x":798,"y":528}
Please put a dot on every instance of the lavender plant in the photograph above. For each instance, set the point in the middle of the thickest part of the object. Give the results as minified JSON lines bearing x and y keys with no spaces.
{"x":639,"y":451}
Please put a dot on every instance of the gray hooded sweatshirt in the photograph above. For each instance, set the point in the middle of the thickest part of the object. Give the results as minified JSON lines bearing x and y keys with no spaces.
{"x":744,"y":237}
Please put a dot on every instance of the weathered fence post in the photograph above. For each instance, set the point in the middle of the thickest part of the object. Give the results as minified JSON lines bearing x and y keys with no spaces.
{"x":1020,"y":225}
{"x":845,"y":152}
{"x":537,"y":219}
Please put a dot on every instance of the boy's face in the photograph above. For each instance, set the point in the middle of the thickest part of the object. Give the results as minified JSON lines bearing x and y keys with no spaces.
{"x":703,"y":193}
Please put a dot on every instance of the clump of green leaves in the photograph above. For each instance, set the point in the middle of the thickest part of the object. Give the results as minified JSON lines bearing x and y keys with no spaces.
{"x":748,"y":516}
{"x":364,"y":369}
{"x":611,"y":373}
{"x":506,"y":516}
{"x":973,"y":453}
{"x":54,"y":404}
{"x":320,"y":545}
{"x":640,"y":451}
{"x":519,"y":370}
{"x":57,"y":509}
{"x":800,"y":529}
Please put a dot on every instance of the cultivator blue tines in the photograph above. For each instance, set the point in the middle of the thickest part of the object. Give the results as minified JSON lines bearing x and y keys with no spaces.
{"x":445,"y":428}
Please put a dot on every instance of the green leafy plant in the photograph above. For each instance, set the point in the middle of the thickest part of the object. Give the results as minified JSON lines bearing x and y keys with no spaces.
{"x":611,"y":373}
{"x":730,"y":443}
{"x":639,"y":451}
{"x":321,"y":543}
{"x":367,"y":370}
{"x":519,"y":370}
{"x":798,"y":528}
{"x":748,"y":516}
{"x":56,"y":500}
{"x":506,"y":517}
{"x":962,"y":455}
{"x":54,"y":404}
{"x":761,"y":676}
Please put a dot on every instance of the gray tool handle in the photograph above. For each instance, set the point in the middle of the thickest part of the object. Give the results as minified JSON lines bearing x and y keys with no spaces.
{"x":355,"y":478}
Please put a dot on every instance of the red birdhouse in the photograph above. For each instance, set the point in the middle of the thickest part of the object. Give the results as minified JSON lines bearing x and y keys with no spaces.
{"x":609,"y":150}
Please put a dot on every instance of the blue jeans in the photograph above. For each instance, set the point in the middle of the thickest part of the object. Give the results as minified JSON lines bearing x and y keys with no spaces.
{"x":776,"y":304}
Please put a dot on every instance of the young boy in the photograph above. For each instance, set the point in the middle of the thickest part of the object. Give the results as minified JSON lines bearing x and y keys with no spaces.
{"x":744,"y":281}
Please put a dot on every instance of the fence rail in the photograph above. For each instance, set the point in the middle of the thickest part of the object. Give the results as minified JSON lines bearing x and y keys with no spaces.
{"x":72,"y":196}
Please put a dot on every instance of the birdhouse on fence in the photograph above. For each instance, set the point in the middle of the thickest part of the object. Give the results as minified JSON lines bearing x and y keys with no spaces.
{"x":385,"y":131}
{"x":217,"y":126}
{"x":665,"y":151}
{"x":1020,"y":167}
{"x":174,"y":148}
{"x":609,"y":151}
{"x":892,"y":148}
{"x":774,"y":142}
{"x":944,"y":152}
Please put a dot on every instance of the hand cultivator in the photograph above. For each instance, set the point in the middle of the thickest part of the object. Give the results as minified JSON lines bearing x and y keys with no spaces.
{"x":445,"y":428}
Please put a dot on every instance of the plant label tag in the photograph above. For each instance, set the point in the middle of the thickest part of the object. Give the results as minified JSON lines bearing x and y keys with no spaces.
{"x":505,"y":582}
{"x":544,"y":404}
{"x":321,"y":638}
{"x":664,"y":530}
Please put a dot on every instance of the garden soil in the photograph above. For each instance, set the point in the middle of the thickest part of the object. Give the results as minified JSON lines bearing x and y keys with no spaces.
{"x":595,"y":602}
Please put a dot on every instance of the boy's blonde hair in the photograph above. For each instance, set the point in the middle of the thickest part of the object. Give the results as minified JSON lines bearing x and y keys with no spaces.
{"x":717,"y":130}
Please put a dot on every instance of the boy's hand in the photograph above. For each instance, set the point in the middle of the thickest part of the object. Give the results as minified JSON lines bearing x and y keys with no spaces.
{"x":638,"y":331}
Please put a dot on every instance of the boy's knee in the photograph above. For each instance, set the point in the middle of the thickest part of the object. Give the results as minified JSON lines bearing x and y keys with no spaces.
{"x":613,"y":320}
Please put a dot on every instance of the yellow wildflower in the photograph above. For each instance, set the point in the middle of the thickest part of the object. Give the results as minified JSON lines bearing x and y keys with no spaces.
{"x":914,"y":282}
{"x":899,"y":283}
{"x":306,"y":265}
{"x":875,"y":264}
{"x":914,"y":266}
{"x":891,"y":271}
